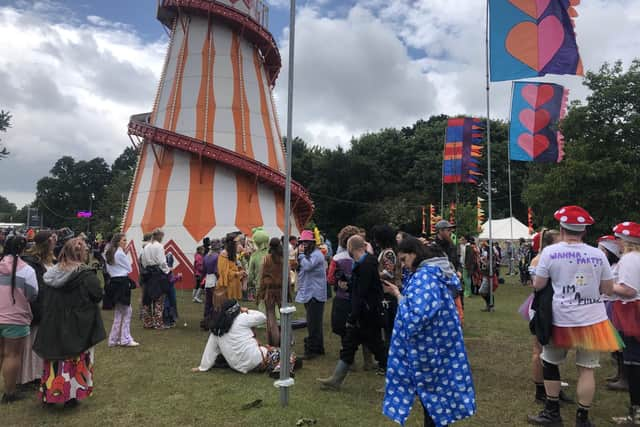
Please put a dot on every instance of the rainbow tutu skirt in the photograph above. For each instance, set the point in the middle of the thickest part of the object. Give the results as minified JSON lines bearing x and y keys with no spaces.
{"x":597,"y":337}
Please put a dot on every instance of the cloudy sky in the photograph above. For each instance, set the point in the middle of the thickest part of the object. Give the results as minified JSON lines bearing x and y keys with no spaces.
{"x":73,"y":71}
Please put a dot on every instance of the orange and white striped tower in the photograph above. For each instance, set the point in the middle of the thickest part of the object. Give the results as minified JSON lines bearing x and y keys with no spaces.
{"x":211,"y":157}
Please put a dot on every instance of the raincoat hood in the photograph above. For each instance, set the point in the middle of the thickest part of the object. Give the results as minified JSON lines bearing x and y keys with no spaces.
{"x":260,"y":238}
{"x":57,"y":278}
{"x":443,"y":263}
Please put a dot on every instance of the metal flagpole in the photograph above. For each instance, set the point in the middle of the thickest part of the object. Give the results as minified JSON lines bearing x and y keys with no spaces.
{"x":509,"y":168}
{"x":442,"y":176}
{"x":490,"y":187}
{"x":287,"y":310}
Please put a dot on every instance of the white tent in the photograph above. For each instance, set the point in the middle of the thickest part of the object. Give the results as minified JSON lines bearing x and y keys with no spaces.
{"x":501,"y":230}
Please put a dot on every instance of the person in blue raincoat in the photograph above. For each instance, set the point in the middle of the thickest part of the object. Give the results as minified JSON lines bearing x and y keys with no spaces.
{"x":427,"y":356}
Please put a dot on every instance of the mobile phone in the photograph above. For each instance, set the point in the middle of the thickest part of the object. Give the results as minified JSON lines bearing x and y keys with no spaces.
{"x":387,"y":275}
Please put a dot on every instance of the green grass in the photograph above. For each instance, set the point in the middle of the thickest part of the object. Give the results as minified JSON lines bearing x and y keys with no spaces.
{"x":153,"y":385}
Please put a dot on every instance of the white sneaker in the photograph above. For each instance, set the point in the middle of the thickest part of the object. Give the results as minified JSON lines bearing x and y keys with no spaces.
{"x":132,"y":344}
{"x":197,"y":300}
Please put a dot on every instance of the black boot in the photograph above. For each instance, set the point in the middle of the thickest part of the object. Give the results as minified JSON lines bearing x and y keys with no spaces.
{"x":582,"y":417}
{"x":549,"y":416}
{"x":622,"y":384}
{"x":10,"y":398}
{"x":541,"y":395}
{"x":618,"y":359}
{"x":585,"y":423}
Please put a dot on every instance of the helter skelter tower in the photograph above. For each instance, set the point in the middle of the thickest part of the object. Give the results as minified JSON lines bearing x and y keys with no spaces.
{"x":211,"y":155}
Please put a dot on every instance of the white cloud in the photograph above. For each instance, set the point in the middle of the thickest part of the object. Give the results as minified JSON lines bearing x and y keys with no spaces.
{"x":71,"y":83}
{"x":71,"y":86}
{"x":353,"y":73}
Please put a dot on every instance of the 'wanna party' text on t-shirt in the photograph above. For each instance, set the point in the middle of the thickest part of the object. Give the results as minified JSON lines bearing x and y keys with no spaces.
{"x":576,"y":271}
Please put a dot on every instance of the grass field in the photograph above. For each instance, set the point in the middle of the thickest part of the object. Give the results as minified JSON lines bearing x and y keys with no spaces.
{"x":153,"y":385}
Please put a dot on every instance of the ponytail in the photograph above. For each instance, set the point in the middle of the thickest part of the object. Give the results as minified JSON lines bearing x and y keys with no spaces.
{"x":14,"y":246}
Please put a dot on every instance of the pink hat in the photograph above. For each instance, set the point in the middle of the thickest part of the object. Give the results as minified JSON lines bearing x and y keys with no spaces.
{"x":610,"y":244}
{"x":307,"y":236}
{"x":573,"y":218}
{"x":628,"y":231}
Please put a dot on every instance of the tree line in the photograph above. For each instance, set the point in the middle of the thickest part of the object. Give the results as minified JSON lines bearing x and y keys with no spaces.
{"x":388,"y":176}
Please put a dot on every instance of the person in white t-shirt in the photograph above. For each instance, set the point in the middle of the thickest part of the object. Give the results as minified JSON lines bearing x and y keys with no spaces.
{"x":232,"y":337}
{"x":156,"y":281}
{"x":610,"y":246}
{"x":579,"y":274}
{"x":626,"y":313}
{"x":118,"y":291}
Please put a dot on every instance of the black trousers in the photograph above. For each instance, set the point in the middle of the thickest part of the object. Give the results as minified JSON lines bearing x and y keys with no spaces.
{"x":367,"y":335}
{"x":314,"y":343}
{"x":339,"y":314}
{"x":428,"y":421}
{"x":390,"y":310}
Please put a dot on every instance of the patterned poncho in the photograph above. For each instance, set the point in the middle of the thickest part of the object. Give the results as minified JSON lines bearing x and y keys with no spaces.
{"x":427,"y":356}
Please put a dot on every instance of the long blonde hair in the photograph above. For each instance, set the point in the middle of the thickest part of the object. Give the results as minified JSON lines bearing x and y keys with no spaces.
{"x":630,"y":247}
{"x":42,"y":249}
{"x":73,"y":254}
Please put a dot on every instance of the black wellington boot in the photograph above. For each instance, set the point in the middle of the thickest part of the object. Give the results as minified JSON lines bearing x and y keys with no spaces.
{"x":549,"y":416}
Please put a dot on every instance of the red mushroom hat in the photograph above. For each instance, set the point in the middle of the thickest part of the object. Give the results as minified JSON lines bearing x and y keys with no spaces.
{"x":628,"y":231}
{"x":573,"y":218}
{"x":605,"y":238}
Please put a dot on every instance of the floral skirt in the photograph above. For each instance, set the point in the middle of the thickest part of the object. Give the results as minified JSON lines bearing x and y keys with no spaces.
{"x":64,"y":380}
{"x":598,"y":337}
{"x":271,"y":360}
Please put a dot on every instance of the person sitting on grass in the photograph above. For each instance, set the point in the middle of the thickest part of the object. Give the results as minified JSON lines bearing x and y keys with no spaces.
{"x":232,"y":337}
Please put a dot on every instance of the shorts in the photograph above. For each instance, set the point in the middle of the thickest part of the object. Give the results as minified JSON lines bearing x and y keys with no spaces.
{"x":14,"y":331}
{"x":584,"y":358}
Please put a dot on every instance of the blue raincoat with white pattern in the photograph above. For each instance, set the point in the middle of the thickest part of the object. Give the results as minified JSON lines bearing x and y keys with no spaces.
{"x":427,"y":355}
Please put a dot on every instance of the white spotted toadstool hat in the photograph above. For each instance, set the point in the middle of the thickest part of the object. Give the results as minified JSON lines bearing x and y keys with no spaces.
{"x":573,"y":218}
{"x":628,"y":231}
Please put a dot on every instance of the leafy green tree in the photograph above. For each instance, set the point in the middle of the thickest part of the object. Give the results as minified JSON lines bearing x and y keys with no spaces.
{"x":387,"y":176}
{"x":600,"y":169}
{"x":7,"y":210}
{"x":21,"y":214}
{"x":69,"y":189}
{"x":5,"y":123}
{"x":466,"y":220}
{"x":111,"y":207}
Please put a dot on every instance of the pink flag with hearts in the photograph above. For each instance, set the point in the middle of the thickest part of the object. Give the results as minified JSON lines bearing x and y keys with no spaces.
{"x":536,"y":111}
{"x":532,"y":38}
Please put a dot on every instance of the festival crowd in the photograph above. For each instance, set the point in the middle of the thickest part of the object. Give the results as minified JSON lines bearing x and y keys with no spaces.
{"x":398,"y":298}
